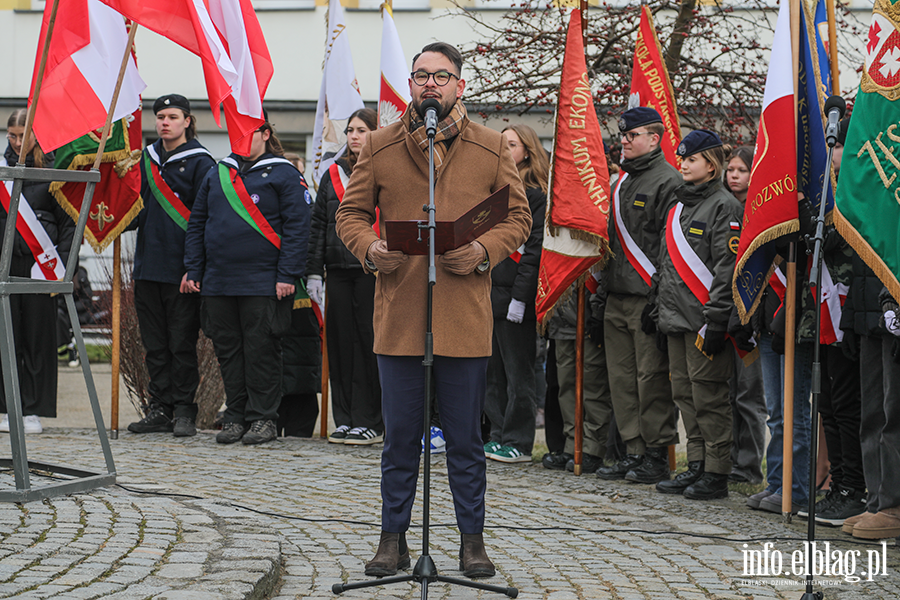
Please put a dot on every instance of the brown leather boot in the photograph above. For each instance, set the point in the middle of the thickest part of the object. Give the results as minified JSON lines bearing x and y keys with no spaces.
{"x":392,"y":555}
{"x":473,"y":559}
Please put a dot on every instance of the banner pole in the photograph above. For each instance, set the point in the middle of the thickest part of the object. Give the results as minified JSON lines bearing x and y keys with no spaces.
{"x":790,"y":306}
{"x":32,"y":108}
{"x":832,"y":49}
{"x":579,"y":381}
{"x":116,"y":337}
{"x":323,"y":426}
{"x":117,"y":251}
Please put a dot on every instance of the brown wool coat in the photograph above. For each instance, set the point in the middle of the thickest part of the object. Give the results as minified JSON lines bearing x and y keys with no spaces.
{"x":392,"y":175}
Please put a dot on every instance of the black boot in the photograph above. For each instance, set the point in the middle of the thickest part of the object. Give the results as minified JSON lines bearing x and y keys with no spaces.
{"x":683,"y":480}
{"x":473,"y":558}
{"x":709,"y":487}
{"x":654,"y":468}
{"x":618,"y":470}
{"x":556,"y":460}
{"x":392,"y":555}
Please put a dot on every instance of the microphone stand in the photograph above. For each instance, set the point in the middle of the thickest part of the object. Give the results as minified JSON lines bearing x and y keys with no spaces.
{"x":815,"y":280}
{"x":425,"y":572}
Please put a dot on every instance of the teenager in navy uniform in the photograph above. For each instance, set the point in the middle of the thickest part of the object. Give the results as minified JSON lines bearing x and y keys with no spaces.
{"x":245,"y":252}
{"x":172,"y":169}
{"x":695,"y":267}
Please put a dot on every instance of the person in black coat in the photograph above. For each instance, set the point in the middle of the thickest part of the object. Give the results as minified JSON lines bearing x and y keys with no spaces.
{"x":245,"y":253}
{"x":172,"y":170}
{"x":34,"y":315}
{"x":353,"y":370}
{"x":510,"y":399}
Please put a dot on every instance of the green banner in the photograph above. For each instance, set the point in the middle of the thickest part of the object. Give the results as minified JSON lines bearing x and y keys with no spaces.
{"x":868,"y":194}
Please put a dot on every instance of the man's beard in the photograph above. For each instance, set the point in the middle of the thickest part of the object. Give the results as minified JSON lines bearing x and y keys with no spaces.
{"x":445,"y":107}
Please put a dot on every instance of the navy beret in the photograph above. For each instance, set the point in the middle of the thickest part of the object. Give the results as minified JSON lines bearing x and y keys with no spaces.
{"x":698,"y":141}
{"x":638,"y":117}
{"x":172,"y":101}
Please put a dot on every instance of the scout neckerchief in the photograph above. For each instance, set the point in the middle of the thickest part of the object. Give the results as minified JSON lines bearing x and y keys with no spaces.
{"x":164,"y":195}
{"x":240,"y":201}
{"x":447,"y":129}
{"x":693,"y":271}
{"x":633,"y":252}
{"x":47,"y":263}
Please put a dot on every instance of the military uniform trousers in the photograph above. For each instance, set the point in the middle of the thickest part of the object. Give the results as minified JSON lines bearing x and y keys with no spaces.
{"x":638,"y":378}
{"x":880,"y":421}
{"x":748,"y":407}
{"x":170,"y":325}
{"x":597,"y":401}
{"x":246,"y":333}
{"x":701,"y":392}
{"x":459,"y":389}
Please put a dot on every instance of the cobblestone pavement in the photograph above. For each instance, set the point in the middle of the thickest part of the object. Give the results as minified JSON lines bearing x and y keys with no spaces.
{"x":552,"y":535}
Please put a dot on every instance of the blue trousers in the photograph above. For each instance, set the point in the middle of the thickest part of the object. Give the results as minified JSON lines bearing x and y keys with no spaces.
{"x":773,"y":381}
{"x":460,"y":387}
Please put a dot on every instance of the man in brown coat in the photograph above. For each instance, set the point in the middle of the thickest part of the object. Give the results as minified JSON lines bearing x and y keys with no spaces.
{"x":471,"y":162}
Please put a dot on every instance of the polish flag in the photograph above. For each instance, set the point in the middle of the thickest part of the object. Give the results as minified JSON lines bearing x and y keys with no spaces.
{"x":771,"y":208}
{"x":339,"y":95}
{"x":394,"y":94}
{"x":575,"y":234}
{"x":226,"y":35}
{"x":83,"y":64}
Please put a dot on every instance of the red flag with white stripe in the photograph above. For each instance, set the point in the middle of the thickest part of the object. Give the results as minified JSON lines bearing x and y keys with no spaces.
{"x":575,"y":234}
{"x":226,"y":35}
{"x":83,"y":64}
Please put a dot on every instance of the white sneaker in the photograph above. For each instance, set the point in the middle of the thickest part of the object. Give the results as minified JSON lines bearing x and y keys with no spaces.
{"x":32,"y":424}
{"x":4,"y":424}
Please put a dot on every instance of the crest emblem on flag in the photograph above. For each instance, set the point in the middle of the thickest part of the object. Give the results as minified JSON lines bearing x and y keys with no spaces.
{"x":882,"y":71}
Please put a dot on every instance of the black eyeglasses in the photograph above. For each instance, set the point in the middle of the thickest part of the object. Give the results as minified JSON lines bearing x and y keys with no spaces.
{"x":630,"y":135}
{"x":441,"y":78}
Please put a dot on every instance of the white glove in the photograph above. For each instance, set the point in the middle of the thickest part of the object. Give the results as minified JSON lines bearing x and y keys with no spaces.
{"x":892,"y":323}
{"x":316,"y":289}
{"x":516,"y":311}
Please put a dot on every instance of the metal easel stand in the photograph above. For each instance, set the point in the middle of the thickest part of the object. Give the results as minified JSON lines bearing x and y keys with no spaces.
{"x":82,"y":480}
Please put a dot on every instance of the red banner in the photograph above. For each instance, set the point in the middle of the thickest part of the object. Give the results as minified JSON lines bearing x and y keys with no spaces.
{"x":650,"y":85}
{"x":578,"y":204}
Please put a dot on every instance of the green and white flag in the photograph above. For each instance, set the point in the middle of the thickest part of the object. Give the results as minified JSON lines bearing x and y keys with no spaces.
{"x":868,"y":194}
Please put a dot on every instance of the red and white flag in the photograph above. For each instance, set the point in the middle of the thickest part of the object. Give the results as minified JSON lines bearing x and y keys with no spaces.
{"x":394,"y":95}
{"x":575,"y":236}
{"x":650,"y":85}
{"x":339,"y":94}
{"x":226,"y":35}
{"x":83,"y":63}
{"x":771,"y":208}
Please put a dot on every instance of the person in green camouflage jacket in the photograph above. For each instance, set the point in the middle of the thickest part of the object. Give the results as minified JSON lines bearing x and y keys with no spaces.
{"x":694,"y":304}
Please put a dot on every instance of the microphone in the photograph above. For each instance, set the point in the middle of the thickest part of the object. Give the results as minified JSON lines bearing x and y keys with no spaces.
{"x":430,"y":109}
{"x":834,"y":110}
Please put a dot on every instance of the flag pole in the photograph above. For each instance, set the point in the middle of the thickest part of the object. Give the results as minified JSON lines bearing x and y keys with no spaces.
{"x":323,"y":426}
{"x":579,"y":327}
{"x":832,"y":49}
{"x":29,"y":118}
{"x":117,"y":251}
{"x":790,"y":307}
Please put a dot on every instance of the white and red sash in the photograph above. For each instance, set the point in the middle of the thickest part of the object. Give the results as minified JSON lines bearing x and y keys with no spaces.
{"x":633,"y":252}
{"x":339,"y":181}
{"x":690,"y":267}
{"x":694,"y":272}
{"x":832,"y":302}
{"x":47,"y":263}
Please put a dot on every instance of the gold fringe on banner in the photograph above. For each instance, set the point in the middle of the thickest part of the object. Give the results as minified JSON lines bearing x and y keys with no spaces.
{"x":867,"y":253}
{"x":765,"y":237}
